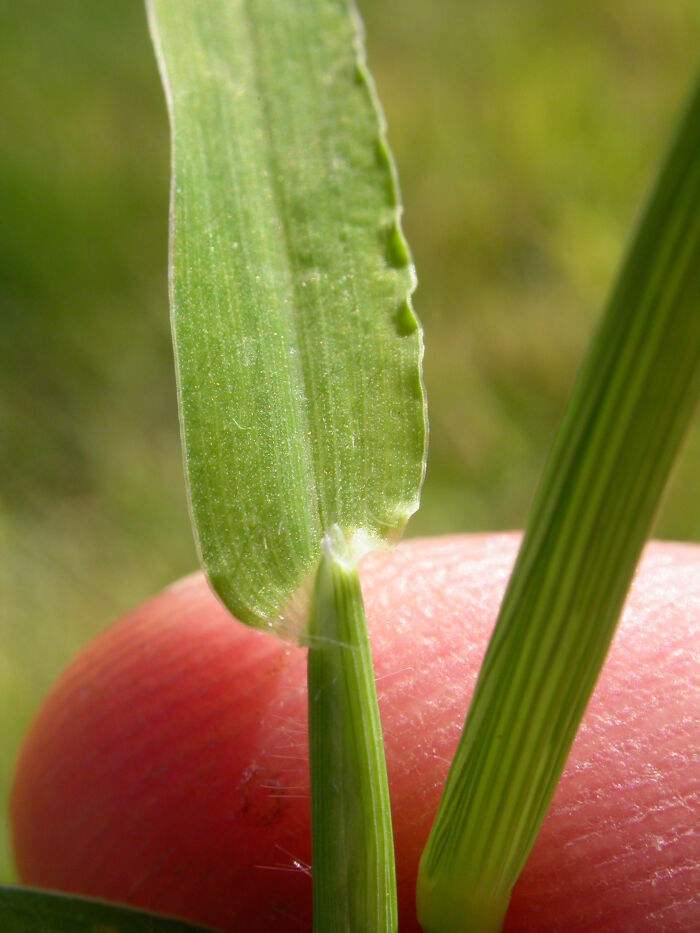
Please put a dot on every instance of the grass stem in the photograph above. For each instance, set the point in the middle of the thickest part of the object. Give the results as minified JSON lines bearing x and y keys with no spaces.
{"x":354,"y":881}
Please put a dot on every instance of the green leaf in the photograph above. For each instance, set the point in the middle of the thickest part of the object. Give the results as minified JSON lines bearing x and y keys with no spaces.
{"x":23,"y":910}
{"x":353,"y":849}
{"x":298,"y":353}
{"x":630,"y":408}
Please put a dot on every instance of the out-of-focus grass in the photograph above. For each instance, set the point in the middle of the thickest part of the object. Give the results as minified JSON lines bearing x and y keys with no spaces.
{"x":525,"y":135}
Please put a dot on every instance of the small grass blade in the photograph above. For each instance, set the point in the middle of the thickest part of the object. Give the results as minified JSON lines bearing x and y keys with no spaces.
{"x":298,"y":353}
{"x":353,"y":850}
{"x":630,"y":408}
{"x":25,"y":910}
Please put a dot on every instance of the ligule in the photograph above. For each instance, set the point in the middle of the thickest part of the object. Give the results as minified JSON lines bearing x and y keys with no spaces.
{"x":353,"y":856}
{"x":631,"y":405}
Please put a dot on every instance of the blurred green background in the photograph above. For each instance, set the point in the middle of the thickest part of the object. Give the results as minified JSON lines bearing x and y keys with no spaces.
{"x":525,"y":134}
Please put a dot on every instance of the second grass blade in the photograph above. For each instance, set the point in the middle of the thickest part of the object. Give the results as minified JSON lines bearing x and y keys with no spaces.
{"x":629,"y":410}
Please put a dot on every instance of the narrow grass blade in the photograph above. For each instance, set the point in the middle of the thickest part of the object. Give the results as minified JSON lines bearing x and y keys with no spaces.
{"x":631,"y":405}
{"x":24,"y":910}
{"x":353,"y":850}
{"x":298,"y":353}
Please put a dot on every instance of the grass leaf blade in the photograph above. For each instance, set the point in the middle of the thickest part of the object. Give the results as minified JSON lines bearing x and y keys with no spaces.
{"x":298,"y":353}
{"x":628,"y":413}
{"x":26,"y":909}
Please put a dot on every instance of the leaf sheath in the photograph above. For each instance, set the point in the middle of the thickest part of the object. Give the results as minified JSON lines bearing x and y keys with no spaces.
{"x":353,"y":851}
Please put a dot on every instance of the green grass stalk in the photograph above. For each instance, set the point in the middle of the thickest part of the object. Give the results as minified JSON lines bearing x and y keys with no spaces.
{"x":630,"y":408}
{"x":354,"y":880}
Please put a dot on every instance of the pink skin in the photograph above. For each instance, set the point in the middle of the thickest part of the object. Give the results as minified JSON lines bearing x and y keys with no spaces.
{"x":168,"y":767}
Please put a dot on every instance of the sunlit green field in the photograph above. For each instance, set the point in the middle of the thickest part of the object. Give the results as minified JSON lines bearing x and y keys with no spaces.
{"x":525,"y":134}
